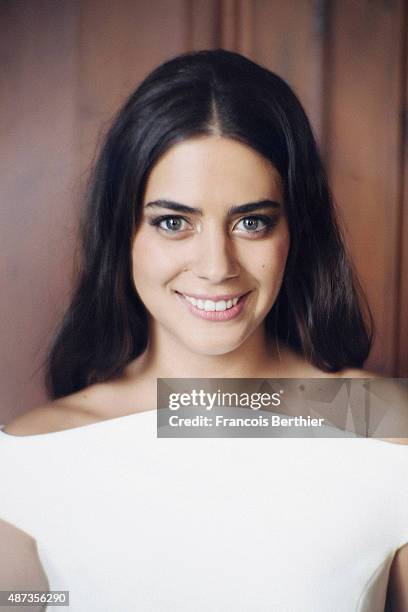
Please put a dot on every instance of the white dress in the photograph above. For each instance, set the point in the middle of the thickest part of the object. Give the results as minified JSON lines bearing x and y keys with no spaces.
{"x":130,"y":522}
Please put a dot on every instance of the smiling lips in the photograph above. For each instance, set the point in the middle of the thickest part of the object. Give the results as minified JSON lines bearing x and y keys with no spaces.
{"x":220,"y":308}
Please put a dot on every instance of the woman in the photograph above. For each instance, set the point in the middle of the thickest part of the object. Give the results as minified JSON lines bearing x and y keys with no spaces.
{"x":210,"y":250}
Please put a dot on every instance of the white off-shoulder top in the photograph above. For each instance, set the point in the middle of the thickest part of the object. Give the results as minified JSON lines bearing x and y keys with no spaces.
{"x":127,"y":522}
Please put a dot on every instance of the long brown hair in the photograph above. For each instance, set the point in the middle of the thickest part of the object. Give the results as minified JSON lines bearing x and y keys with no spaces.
{"x":317,"y":312}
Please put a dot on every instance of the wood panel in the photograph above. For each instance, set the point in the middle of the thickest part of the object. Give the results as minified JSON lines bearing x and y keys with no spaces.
{"x":203,"y":24}
{"x":120,"y":43}
{"x":364,"y":152}
{"x":232,"y":29}
{"x":39,"y":163}
{"x":290,"y":38}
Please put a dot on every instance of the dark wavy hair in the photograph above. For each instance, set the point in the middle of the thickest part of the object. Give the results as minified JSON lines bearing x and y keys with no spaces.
{"x":318,"y":311}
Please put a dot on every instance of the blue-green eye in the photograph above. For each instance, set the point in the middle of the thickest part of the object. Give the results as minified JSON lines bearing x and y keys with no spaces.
{"x":256,"y":224}
{"x":170,"y":224}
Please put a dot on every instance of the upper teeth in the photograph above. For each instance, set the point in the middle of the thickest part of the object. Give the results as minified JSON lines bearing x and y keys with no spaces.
{"x":210,"y":305}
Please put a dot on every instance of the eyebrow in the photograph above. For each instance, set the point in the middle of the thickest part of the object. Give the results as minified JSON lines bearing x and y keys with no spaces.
{"x":233,"y":210}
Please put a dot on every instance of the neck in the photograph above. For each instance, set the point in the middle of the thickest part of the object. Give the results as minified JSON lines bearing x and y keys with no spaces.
{"x":166,"y":357}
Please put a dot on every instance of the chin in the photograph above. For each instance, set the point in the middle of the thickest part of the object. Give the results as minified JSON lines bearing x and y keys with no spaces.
{"x":215,"y":348}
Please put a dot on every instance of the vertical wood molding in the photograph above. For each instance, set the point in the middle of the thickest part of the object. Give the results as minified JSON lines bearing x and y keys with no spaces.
{"x":289,"y":39}
{"x":364,"y":148}
{"x":202,"y":24}
{"x":324,"y":60}
{"x":228,"y":24}
{"x":402,"y":308}
{"x":236,"y":25}
{"x":245,"y":27}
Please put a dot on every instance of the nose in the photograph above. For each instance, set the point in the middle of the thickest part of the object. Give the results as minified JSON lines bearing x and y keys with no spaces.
{"x":215,"y":260}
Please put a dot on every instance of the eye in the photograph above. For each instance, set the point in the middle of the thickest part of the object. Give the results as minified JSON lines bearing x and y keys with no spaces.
{"x":170,"y":224}
{"x":255,"y":224}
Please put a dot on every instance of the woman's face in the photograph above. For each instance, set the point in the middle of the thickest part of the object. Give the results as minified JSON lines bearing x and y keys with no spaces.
{"x":213,"y":230}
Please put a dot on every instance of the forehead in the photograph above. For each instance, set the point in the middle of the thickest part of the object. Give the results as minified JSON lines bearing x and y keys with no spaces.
{"x":209,"y":169}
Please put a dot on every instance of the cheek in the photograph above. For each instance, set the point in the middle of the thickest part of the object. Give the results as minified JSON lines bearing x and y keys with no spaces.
{"x":152,"y":263}
{"x":143,"y":266}
{"x":280,"y":252}
{"x":268,"y":265}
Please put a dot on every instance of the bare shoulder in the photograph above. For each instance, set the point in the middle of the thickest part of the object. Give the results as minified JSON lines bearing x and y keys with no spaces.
{"x":357,"y":373}
{"x":294,"y":365}
{"x":388,"y":403}
{"x":388,"y":406}
{"x":51,"y":417}
{"x":98,"y":402}
{"x":72,"y":411}
{"x":388,"y":398}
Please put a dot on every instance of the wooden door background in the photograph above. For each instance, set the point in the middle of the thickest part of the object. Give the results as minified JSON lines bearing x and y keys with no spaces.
{"x":68,"y":65}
